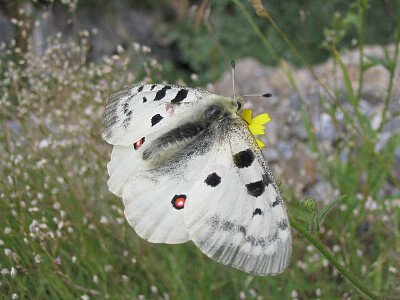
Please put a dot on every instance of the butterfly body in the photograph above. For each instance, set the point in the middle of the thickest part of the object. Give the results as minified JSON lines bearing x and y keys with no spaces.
{"x":188,"y":168}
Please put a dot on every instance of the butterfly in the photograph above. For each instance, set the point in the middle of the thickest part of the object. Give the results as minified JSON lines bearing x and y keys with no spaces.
{"x":189,"y":169}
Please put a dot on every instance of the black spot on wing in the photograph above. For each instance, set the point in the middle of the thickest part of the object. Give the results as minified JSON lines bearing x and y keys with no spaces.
{"x":180,"y":96}
{"x":129,"y":113}
{"x":144,"y":99}
{"x":256,"y":188}
{"x":261,"y":242}
{"x":257,"y":211}
{"x":140,"y":89}
{"x":125,"y":107}
{"x":153,"y":86}
{"x":213,"y":180}
{"x":250,"y":239}
{"x":126,"y":123}
{"x":243,"y":159}
{"x":273,"y":237}
{"x":267,"y":179}
{"x":242,"y":229}
{"x":161,"y":93}
{"x":282,"y":224}
{"x":227,"y":225}
{"x":156,"y":119}
{"x":275,"y":203}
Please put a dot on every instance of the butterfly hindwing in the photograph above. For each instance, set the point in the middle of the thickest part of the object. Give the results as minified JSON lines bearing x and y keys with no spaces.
{"x":155,"y":199}
{"x":154,"y":207}
{"x":235,"y":213}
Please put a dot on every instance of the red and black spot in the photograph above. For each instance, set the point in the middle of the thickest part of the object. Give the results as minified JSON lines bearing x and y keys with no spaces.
{"x":139,"y":143}
{"x":178,"y":201}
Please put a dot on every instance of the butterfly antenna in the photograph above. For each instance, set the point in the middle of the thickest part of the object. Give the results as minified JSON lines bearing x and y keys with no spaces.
{"x":258,"y":95}
{"x":233,"y":86}
{"x":233,"y":78}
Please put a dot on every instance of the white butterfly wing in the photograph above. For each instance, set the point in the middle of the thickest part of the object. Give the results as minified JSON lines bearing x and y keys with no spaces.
{"x":235,"y":213}
{"x":132,"y":118}
{"x":155,"y":200}
{"x":149,"y":210}
{"x":141,"y":110}
{"x":186,"y":179}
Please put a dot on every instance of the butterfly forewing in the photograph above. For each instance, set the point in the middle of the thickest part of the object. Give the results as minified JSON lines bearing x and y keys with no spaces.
{"x":145,"y":109}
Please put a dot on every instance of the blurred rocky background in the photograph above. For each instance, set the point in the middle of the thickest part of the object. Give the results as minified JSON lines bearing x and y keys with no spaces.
{"x":167,"y":28}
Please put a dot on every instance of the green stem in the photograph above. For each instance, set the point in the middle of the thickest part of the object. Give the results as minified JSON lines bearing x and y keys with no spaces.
{"x":345,"y":273}
{"x":362,"y":19}
{"x":392,"y":69}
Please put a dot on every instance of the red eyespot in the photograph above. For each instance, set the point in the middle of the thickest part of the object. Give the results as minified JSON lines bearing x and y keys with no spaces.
{"x":138,"y":144}
{"x":178,"y":201}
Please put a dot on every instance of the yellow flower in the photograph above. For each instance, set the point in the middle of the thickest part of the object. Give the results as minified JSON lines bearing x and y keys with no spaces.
{"x":256,"y":125}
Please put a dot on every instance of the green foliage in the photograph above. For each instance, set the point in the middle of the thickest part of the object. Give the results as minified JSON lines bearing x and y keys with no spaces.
{"x":305,"y":23}
{"x":64,"y":236}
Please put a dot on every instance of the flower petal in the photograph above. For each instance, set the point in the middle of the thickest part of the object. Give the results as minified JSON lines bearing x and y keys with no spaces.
{"x":257,"y":129}
{"x":260,"y":144}
{"x":261,"y":119}
{"x":246,"y":114}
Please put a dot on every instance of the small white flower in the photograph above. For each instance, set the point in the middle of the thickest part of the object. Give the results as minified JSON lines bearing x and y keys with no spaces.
{"x":7,"y":252}
{"x":88,"y":110}
{"x":13,"y":272}
{"x":38,"y":259}
{"x":108,"y":268}
{"x":146,"y":49}
{"x":44,"y":143}
{"x":194,"y":77}
{"x":371,"y":204}
{"x":103,"y":220}
{"x":5,"y":271}
{"x":7,"y":230}
{"x":242,"y":295}
{"x":85,"y":297}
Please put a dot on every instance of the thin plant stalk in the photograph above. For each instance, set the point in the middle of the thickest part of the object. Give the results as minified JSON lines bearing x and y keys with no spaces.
{"x":345,"y":272}
{"x":392,"y":69}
